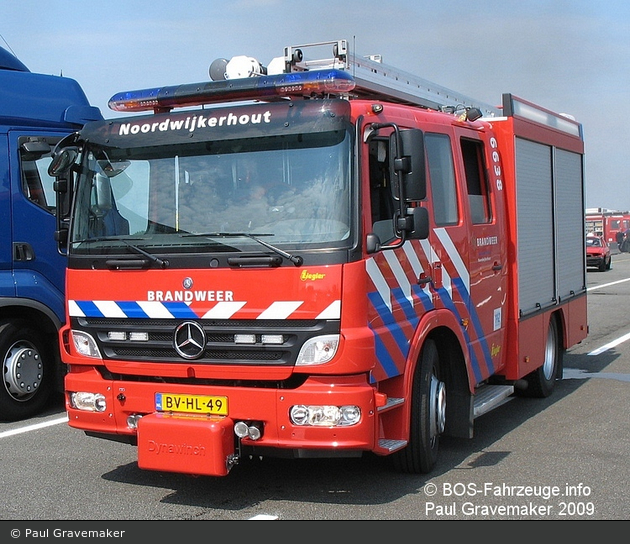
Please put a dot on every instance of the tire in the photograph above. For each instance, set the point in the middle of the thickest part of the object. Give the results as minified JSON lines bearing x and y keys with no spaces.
{"x":602,"y":267}
{"x":609,"y":264}
{"x":542,"y":381}
{"x":428,"y":411}
{"x":27,"y":370}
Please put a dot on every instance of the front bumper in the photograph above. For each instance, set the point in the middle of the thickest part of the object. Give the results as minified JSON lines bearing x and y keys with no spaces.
{"x":200,"y":444}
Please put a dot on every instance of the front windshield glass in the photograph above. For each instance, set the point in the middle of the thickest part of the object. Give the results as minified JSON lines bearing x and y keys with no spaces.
{"x":292,"y":191}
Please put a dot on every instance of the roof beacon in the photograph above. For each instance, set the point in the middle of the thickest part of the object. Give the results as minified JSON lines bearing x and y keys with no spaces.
{"x":294,"y":76}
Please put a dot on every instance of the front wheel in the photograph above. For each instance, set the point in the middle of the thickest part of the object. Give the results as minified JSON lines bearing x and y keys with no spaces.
{"x":428,"y":415}
{"x":27,"y":370}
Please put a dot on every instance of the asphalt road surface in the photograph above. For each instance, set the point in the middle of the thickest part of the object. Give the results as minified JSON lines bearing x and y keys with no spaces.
{"x":564,"y":457}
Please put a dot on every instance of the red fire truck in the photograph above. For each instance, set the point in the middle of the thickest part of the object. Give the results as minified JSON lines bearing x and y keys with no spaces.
{"x":608,"y":223}
{"x":329,"y":257}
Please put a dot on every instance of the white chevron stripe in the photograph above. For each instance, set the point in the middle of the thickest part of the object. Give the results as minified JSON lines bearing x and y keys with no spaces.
{"x":379,"y":281}
{"x":109,"y":308}
{"x":416,"y":266}
{"x":74,"y":310}
{"x":399,"y":274}
{"x":280,"y":309}
{"x":155,"y":309}
{"x":428,"y":251}
{"x":412,"y":256}
{"x":455,"y":257}
{"x":223,"y":310}
{"x":332,"y":312}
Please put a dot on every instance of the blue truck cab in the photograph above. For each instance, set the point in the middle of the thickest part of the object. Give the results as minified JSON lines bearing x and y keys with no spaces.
{"x":36,"y":111}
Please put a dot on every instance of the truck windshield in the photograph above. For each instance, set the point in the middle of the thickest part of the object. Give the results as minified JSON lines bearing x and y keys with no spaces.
{"x":293,"y":190}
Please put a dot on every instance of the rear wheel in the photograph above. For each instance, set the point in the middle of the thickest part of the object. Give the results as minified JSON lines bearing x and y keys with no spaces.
{"x":428,"y":415}
{"x":27,"y":370}
{"x":542,"y":381}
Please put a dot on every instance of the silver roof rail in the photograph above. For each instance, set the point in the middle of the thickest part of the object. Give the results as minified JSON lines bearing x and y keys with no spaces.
{"x":377,"y":80}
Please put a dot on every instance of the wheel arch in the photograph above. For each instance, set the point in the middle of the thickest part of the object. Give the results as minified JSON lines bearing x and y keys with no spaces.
{"x":43,"y":319}
{"x":443,"y":328}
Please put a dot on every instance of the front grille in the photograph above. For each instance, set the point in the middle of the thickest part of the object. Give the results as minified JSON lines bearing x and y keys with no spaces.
{"x":220,"y":346}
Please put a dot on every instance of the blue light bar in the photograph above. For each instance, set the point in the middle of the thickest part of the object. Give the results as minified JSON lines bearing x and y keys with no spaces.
{"x":311,"y":83}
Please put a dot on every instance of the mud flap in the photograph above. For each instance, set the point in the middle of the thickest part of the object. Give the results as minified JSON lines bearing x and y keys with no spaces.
{"x":186,"y":444}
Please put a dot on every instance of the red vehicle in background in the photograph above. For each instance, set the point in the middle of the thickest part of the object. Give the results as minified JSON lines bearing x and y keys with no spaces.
{"x":598,"y":253}
{"x":608,"y":224}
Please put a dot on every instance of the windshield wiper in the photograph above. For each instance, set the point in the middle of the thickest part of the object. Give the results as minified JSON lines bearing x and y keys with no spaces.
{"x":162,"y":263}
{"x":295,"y":259}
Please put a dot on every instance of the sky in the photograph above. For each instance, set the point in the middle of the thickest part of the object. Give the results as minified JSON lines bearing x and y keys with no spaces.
{"x":569,"y":56}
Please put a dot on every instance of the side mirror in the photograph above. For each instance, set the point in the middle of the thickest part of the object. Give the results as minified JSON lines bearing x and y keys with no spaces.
{"x":407,"y":165}
{"x":61,"y":169}
{"x":420,"y":219}
{"x":62,"y":161}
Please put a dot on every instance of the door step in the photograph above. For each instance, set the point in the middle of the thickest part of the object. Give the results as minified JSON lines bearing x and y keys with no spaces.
{"x":489,"y":397}
{"x":391,"y":445}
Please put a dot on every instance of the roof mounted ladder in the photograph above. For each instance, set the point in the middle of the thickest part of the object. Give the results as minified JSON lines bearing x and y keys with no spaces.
{"x":377,"y":80}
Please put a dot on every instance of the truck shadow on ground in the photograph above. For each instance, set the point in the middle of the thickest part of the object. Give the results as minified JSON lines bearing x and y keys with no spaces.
{"x":367,"y":480}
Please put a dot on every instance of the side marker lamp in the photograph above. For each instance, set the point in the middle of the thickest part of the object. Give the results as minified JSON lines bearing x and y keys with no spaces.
{"x":310,"y":83}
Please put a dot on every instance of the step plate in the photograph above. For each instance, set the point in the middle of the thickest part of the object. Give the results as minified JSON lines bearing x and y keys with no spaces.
{"x":490,"y":397}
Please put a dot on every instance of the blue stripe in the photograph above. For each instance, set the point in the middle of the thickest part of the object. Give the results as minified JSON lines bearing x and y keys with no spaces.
{"x":381,"y":308}
{"x":474,"y":317}
{"x":180,"y":310}
{"x":88,"y":308}
{"x":426,"y":300}
{"x":406,"y":305}
{"x":393,"y":327}
{"x":132,"y":309}
{"x":384,"y":359}
{"x":446,"y":299}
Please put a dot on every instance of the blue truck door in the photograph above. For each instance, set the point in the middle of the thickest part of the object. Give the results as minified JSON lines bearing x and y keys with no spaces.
{"x":39,"y":269}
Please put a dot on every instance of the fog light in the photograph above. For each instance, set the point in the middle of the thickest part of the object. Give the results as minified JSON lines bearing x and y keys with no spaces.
{"x":88,"y":402}
{"x":272,"y":339}
{"x":254,"y":432}
{"x":132,"y":420}
{"x":241,"y":429}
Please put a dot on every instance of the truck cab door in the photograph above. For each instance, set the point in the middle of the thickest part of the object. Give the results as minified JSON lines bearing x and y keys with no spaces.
{"x":38,"y":268}
{"x":487,"y":254}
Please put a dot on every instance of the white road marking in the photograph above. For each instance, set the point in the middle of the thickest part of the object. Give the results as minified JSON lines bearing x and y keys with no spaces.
{"x":34,"y":427}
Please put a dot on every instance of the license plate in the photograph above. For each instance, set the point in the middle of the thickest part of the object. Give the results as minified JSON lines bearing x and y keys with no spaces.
{"x":191,"y":404}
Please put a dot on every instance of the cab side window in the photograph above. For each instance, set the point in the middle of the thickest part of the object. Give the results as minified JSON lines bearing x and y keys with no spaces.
{"x":37,"y":185}
{"x":442,"y":178}
{"x":380,"y":191}
{"x":476,"y":181}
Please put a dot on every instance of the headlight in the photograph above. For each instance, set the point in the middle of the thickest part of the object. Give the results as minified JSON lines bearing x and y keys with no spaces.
{"x":325,"y":416}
